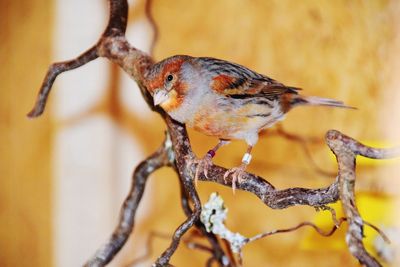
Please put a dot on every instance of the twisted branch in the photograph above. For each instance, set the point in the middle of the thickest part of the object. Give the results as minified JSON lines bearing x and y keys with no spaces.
{"x":160,"y":158}
{"x":346,"y":149}
{"x":217,"y":251}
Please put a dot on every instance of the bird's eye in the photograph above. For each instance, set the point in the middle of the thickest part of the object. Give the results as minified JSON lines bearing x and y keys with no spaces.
{"x":170,"y":78}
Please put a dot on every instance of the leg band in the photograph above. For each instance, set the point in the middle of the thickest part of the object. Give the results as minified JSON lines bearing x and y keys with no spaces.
{"x":211,"y":153}
{"x":246,"y":158}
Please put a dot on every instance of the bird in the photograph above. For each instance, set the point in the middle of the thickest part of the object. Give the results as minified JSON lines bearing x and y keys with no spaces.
{"x":225,"y":100}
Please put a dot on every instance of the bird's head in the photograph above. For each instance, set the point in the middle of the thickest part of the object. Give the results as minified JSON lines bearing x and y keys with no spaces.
{"x":166,"y":83}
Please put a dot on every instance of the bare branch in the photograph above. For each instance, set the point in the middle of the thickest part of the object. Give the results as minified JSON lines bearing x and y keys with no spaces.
{"x":54,"y":70}
{"x":218,"y":253}
{"x":303,"y":224}
{"x":379,"y":231}
{"x":189,"y":242}
{"x":116,"y":26}
{"x":346,"y":149}
{"x":118,"y":19}
{"x":149,"y":249}
{"x":339,"y":142}
{"x":127,"y":215}
{"x":276,"y":199}
{"x":332,"y":211}
{"x":303,"y":142}
{"x":188,"y":183}
{"x":153,"y":24}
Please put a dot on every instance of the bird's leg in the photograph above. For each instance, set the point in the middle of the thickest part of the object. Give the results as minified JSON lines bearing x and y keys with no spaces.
{"x":204,"y":163}
{"x":238,"y":172}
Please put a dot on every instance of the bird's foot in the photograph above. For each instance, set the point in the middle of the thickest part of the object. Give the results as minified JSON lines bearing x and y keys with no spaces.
{"x":237,"y":175}
{"x":203,"y":165}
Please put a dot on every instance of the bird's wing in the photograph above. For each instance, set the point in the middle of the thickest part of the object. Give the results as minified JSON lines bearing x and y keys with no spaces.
{"x":249,"y":87}
{"x":237,"y":81}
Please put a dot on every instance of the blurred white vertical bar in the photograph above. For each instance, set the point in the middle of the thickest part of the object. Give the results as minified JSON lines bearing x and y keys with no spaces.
{"x":93,"y":156}
{"x":83,"y":186}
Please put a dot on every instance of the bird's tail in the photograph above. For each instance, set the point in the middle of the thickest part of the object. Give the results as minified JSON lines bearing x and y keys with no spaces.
{"x":317,"y":101}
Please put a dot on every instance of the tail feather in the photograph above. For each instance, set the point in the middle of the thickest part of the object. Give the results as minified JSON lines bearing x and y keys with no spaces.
{"x":318,"y":101}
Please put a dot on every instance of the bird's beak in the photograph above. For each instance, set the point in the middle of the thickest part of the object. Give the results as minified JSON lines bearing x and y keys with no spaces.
{"x":160,"y":96}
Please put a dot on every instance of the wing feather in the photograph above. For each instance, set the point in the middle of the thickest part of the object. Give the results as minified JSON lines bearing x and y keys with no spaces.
{"x":236,"y":81}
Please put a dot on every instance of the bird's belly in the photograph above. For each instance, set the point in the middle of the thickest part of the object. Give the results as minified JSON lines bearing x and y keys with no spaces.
{"x":220,"y":126}
{"x":233,"y":122}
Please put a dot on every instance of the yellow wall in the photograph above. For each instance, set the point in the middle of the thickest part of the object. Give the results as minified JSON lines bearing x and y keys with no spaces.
{"x":25,"y":205}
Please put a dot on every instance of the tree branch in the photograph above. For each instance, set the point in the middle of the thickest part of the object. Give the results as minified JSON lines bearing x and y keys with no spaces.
{"x":160,"y":158}
{"x":118,"y":19}
{"x":276,"y":199}
{"x":116,"y":26}
{"x":54,"y":70}
{"x":346,"y":150}
{"x":217,"y":251}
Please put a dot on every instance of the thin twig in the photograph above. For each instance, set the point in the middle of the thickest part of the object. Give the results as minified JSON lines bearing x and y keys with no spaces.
{"x":303,"y":224}
{"x":153,"y":24}
{"x":217,"y":251}
{"x":297,"y":138}
{"x":332,"y":211}
{"x":188,"y":241}
{"x":54,"y":70}
{"x":379,"y":231}
{"x":303,"y":141}
{"x":149,"y":247}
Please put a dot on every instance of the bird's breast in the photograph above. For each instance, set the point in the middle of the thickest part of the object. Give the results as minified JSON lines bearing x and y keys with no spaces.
{"x":225,"y":117}
{"x":230,"y":119}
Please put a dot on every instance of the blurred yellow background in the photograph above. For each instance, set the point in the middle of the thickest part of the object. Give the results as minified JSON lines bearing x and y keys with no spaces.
{"x":25,"y":147}
{"x":339,"y":49}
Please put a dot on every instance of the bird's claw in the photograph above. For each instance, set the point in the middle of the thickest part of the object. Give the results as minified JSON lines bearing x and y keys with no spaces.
{"x":237,"y":175}
{"x":202,"y":166}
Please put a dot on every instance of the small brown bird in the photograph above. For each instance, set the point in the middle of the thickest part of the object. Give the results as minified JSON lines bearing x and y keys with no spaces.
{"x":225,"y":100}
